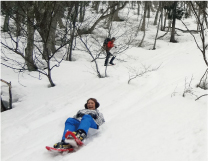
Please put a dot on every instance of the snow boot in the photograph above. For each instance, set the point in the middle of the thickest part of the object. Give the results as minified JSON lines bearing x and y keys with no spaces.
{"x":80,"y":134}
{"x":112,"y":64}
{"x":111,"y":61}
{"x":62,"y":145}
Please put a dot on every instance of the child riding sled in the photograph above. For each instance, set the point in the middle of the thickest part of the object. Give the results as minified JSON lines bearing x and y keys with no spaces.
{"x":86,"y":118}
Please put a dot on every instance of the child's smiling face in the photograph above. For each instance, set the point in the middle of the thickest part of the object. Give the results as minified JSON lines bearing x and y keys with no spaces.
{"x":91,"y":105}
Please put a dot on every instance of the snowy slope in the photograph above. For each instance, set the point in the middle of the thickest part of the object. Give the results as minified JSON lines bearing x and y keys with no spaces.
{"x":147,"y":119}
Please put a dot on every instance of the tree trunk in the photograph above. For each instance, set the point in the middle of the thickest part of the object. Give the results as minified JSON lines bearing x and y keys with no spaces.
{"x":116,"y":17}
{"x":52,"y":34}
{"x":96,"y":6}
{"x":157,"y":32}
{"x":138,"y":9}
{"x":204,"y":13}
{"x":48,"y":25}
{"x":149,"y":3}
{"x":74,"y":17}
{"x":112,"y":11}
{"x":161,"y":25}
{"x":172,"y":38}
{"x":60,"y":14}
{"x":140,"y":45}
{"x":81,"y":19}
{"x":165,"y":21}
{"x":156,"y":16}
{"x":82,"y":11}
{"x":144,"y":17}
{"x":20,"y":16}
{"x":6,"y":23}
{"x":30,"y":39}
{"x":18,"y":20}
{"x":49,"y":75}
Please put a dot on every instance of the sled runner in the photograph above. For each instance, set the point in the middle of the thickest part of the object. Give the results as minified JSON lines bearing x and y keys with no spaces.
{"x":59,"y":150}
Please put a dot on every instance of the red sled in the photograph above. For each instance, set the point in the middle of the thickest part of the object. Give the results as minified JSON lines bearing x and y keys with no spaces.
{"x":69,"y":133}
{"x":59,"y":150}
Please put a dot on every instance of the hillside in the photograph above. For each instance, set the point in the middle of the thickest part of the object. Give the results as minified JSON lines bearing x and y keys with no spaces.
{"x":147,"y":119}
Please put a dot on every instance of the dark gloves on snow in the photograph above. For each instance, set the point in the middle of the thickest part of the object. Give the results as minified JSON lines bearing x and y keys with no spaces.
{"x":94,"y":116}
{"x":80,"y":115}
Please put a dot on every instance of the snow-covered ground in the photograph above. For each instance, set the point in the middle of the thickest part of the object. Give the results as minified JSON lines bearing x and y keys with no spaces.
{"x":146,"y":120}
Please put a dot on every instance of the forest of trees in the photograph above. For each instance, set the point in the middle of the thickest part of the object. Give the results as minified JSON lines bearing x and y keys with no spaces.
{"x":48,"y":27}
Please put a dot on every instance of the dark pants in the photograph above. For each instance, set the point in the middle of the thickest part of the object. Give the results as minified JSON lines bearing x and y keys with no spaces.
{"x":107,"y":58}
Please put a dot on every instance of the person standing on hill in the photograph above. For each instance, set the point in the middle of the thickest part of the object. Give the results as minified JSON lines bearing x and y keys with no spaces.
{"x":109,"y":45}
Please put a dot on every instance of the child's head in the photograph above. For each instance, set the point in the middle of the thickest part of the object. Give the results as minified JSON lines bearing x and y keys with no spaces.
{"x":92,"y":104}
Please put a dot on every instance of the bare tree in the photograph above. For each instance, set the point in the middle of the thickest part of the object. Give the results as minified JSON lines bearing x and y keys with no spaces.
{"x":86,"y":45}
{"x":72,"y":17}
{"x":157,"y":13}
{"x":172,"y":38}
{"x":30,"y":37}
{"x":201,"y":24}
{"x":154,"y":47}
{"x":39,"y":51}
{"x":103,"y":16}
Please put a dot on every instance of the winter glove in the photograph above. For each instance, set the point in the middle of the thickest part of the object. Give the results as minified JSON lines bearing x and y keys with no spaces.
{"x":80,"y":115}
{"x":94,"y":116}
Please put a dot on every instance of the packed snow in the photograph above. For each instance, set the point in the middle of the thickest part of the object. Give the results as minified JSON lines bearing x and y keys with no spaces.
{"x":147,"y":119}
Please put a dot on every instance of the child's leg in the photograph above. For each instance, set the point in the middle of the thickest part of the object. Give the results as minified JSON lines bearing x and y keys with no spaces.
{"x":70,"y":125}
{"x":86,"y":123}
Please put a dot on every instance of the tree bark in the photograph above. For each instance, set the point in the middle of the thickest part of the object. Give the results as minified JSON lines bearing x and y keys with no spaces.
{"x":156,"y":16}
{"x":172,"y":38}
{"x":30,"y":38}
{"x":138,"y":9}
{"x":157,"y":32}
{"x":149,"y":3}
{"x":18,"y":19}
{"x":74,"y":17}
{"x":144,"y":17}
{"x":6,"y":23}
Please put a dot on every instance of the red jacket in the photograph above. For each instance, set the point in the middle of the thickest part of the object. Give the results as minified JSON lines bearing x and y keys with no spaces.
{"x":109,"y":45}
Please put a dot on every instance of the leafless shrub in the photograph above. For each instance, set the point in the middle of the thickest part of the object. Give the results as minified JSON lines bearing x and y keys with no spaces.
{"x":204,"y":82}
{"x":141,"y":72}
{"x":188,"y":89}
{"x":87,"y":46}
{"x":201,"y":96}
{"x":174,"y":92}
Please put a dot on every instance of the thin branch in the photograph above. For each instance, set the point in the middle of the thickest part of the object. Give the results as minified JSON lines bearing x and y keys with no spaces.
{"x":201,"y":96}
{"x":193,"y":36}
{"x":140,"y":74}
